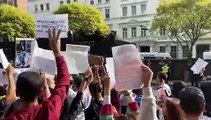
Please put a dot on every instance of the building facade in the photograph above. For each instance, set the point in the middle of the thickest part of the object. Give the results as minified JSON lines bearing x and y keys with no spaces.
{"x":131,"y":19}
{"x":22,"y":4}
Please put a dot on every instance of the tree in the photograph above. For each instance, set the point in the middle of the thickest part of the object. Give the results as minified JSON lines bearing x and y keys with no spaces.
{"x":185,"y":22}
{"x":84,"y":19}
{"x":15,"y":23}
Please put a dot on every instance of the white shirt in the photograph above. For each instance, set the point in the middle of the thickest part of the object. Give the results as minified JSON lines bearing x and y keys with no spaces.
{"x":159,"y":92}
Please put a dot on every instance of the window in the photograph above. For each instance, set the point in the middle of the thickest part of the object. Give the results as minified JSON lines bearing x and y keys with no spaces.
{"x":144,"y":49}
{"x":61,"y":2}
{"x":124,"y":11}
{"x":47,"y":6}
{"x":143,"y":32}
{"x":92,"y":2}
{"x":107,"y":1}
{"x":173,"y":51}
{"x":134,"y":32}
{"x":185,"y":51}
{"x":99,"y":1}
{"x":124,"y":32}
{"x":162,"y":31}
{"x":133,"y":10}
{"x":10,"y":2}
{"x":107,"y":13}
{"x":35,"y":8}
{"x":68,"y":1}
{"x":41,"y":7}
{"x":143,"y":8}
{"x":162,"y":49}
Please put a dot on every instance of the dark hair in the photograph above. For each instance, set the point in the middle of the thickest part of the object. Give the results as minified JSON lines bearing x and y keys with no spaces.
{"x":173,"y":109}
{"x":29,"y":85}
{"x":3,"y":91}
{"x":177,"y":87}
{"x":77,"y":80}
{"x":95,"y":87}
{"x":192,"y":101}
{"x":162,"y":76}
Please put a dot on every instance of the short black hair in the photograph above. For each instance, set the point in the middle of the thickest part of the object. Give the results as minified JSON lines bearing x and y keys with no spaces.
{"x":3,"y":91}
{"x":77,"y":80}
{"x":29,"y":85}
{"x":177,"y":87}
{"x":162,"y":76}
{"x":192,"y":101}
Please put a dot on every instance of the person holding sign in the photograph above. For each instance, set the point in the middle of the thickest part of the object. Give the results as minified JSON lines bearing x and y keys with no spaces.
{"x":148,"y":108}
{"x":7,"y":96}
{"x":30,"y":85}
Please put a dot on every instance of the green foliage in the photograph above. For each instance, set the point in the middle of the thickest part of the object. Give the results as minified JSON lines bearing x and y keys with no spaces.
{"x":84,"y":19}
{"x":186,"y":21}
{"x":15,"y":23}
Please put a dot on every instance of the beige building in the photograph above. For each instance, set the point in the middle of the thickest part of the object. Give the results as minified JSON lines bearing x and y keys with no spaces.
{"x":22,"y":4}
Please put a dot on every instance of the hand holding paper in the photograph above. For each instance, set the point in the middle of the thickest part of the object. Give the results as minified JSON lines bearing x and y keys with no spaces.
{"x":10,"y":70}
{"x":146,"y":75}
{"x":3,"y":59}
{"x":199,"y":65}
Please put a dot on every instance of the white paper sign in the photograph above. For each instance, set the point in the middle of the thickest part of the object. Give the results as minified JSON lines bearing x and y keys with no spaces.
{"x":19,"y":71}
{"x":3,"y":59}
{"x":110,"y":69}
{"x":77,"y":61}
{"x":199,"y":65}
{"x":76,"y":57}
{"x":43,"y":60}
{"x":71,"y":47}
{"x":127,"y":64}
{"x":58,"y":22}
{"x":3,"y":77}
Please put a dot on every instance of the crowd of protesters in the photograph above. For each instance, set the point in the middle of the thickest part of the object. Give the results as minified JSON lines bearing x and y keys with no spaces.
{"x":89,"y":96}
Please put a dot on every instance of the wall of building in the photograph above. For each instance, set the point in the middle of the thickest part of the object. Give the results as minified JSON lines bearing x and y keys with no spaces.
{"x":22,"y":4}
{"x":117,"y":21}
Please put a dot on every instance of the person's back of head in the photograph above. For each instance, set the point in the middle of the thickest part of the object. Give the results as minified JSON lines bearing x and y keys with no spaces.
{"x":172,"y":110}
{"x":29,"y":86}
{"x":177,"y":87}
{"x":162,"y":77}
{"x":77,"y":80}
{"x":192,"y":101}
{"x":95,"y":89}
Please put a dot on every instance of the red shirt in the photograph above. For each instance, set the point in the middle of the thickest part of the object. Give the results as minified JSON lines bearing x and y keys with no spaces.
{"x":51,"y":108}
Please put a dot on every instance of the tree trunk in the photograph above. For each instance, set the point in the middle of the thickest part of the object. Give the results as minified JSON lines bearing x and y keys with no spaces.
{"x":189,"y":65}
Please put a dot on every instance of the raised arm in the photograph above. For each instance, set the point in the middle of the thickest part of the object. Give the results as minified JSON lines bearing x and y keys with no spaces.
{"x":106,"y":109}
{"x":148,"y":106}
{"x":11,"y":93}
{"x":63,"y":80}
